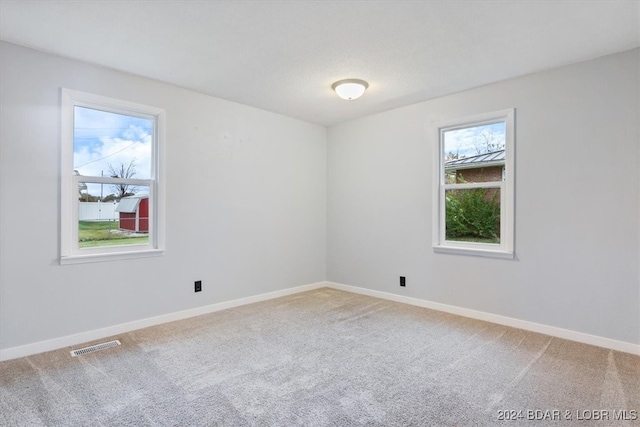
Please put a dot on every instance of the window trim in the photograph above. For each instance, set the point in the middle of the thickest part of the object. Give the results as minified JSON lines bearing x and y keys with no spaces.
{"x":70,"y":252}
{"x":505,"y":249}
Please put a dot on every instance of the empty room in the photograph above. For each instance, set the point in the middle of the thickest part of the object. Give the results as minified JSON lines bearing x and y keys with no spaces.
{"x":319,"y":213}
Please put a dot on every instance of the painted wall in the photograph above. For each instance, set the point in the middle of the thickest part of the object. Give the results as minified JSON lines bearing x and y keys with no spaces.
{"x":577,"y":201}
{"x":248,"y":211}
{"x":246,"y":198}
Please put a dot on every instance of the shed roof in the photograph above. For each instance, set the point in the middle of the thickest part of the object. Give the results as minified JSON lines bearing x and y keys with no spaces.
{"x":494,"y":158}
{"x":129,"y":204}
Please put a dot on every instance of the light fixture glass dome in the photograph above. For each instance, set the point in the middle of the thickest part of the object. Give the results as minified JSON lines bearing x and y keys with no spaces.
{"x":350,"y":89}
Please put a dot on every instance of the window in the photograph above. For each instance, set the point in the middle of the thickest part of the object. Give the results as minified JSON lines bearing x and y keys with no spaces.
{"x":474,"y":186}
{"x":111,"y":186}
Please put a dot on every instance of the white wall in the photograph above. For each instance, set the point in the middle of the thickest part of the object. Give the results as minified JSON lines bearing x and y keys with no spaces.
{"x":246,"y":198}
{"x":577,"y":202}
{"x":247,"y":203}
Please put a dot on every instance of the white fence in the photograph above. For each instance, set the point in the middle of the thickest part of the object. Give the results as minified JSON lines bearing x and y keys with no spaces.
{"x":97,"y":211}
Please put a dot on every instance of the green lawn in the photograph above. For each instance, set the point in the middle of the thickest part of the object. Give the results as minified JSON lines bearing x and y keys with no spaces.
{"x":105,"y":233}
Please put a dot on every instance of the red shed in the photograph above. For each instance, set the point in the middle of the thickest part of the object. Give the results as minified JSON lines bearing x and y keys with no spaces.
{"x":134,"y":213}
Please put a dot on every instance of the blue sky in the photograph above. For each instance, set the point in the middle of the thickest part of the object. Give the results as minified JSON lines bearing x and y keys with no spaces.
{"x":102,"y":138}
{"x":466,"y":142}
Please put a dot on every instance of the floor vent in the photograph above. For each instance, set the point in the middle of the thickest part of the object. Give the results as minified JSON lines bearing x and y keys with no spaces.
{"x":97,"y":347}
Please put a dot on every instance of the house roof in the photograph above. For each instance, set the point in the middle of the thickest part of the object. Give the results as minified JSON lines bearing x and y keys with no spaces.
{"x":495,"y":158}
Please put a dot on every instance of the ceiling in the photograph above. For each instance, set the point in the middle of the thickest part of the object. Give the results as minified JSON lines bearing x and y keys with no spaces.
{"x":283,"y":56}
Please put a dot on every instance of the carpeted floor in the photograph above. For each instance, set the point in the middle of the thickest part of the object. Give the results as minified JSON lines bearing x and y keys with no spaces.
{"x":325,"y":358}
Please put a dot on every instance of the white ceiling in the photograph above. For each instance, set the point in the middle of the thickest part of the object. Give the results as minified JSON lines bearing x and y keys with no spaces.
{"x":283,"y":56}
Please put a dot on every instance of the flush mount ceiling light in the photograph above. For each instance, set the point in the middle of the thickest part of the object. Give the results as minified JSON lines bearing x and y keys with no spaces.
{"x":350,"y":88}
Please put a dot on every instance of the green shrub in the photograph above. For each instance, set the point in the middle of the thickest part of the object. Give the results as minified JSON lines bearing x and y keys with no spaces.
{"x":473,"y":215}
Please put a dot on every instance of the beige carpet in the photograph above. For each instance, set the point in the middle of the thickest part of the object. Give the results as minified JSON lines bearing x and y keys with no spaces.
{"x":324,"y":358}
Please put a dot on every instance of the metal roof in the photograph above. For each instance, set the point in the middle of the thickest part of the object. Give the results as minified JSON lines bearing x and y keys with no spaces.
{"x":128,"y":204}
{"x":494,"y":158}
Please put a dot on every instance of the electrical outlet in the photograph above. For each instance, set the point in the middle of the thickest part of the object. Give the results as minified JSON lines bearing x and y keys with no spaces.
{"x":403,"y":281}
{"x":198,"y":285}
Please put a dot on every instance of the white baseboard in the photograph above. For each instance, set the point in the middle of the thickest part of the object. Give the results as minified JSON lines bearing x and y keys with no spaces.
{"x":70,"y":340}
{"x":495,"y":318}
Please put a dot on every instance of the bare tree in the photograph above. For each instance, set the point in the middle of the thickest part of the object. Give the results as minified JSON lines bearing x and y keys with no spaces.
{"x":123,"y":171}
{"x":486,"y":143}
{"x":452,"y":156}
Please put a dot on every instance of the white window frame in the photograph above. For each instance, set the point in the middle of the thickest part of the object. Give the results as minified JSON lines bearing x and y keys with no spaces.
{"x":504,"y":249}
{"x":70,"y":252}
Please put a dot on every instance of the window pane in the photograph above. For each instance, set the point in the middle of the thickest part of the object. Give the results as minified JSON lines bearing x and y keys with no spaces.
{"x":473,"y":215}
{"x":108,"y":220}
{"x":111,"y":145}
{"x":474,"y":154}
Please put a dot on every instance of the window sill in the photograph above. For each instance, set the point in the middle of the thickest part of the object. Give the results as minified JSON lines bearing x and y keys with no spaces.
{"x":113,"y":256}
{"x":481,"y":252}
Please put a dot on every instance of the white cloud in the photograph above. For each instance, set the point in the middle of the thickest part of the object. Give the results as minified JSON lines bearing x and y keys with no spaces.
{"x":115,"y":152}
